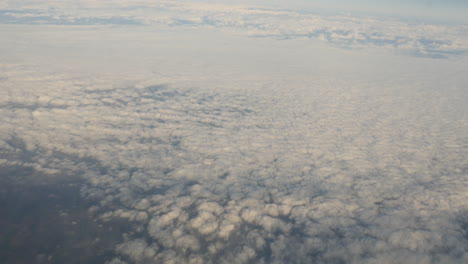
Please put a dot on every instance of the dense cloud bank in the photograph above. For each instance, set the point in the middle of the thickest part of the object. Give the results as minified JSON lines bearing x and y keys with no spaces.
{"x":284,"y":171}
{"x":345,"y":30}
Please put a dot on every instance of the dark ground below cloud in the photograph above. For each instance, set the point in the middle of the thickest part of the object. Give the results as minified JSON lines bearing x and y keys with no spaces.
{"x":47,"y":222}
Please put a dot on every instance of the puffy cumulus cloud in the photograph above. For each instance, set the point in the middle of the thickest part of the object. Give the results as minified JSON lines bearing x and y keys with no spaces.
{"x":319,"y":169}
{"x":419,"y":39}
{"x":137,"y":250}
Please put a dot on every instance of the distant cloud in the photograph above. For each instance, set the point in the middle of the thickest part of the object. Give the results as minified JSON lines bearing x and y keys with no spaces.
{"x":426,"y":40}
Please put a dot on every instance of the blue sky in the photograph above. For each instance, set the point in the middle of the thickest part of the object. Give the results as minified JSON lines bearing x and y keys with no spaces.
{"x":434,"y":8}
{"x":454,"y":10}
{"x":448,"y":10}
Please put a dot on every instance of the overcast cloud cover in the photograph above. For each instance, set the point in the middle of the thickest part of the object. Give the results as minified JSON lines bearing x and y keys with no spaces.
{"x":242,"y":133}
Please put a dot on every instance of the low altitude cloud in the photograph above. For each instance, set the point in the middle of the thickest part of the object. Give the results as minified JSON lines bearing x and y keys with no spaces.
{"x":326,"y":171}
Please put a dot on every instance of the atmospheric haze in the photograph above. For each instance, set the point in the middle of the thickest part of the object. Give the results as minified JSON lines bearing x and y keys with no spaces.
{"x":200,"y":132}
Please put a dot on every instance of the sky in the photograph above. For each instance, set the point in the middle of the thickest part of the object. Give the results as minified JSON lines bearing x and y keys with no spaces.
{"x":246,"y":132}
{"x":427,"y":10}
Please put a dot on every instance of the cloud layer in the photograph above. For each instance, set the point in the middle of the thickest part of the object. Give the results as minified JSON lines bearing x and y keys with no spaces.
{"x":347,"y":31}
{"x":219,"y":142}
{"x":329,"y":171}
